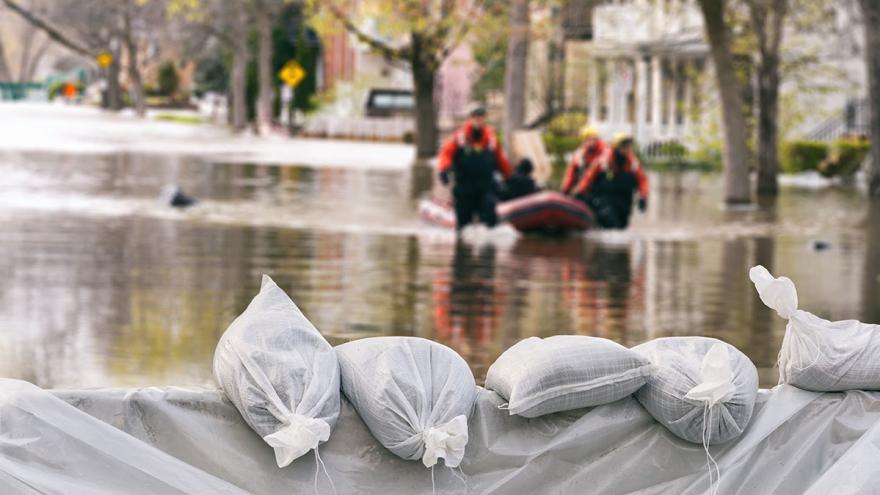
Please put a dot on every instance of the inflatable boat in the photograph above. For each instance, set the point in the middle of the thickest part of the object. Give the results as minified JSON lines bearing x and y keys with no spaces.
{"x":546,"y":212}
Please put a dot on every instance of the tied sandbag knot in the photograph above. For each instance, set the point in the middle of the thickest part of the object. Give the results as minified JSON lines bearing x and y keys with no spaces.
{"x":300,"y":435}
{"x":717,"y":387}
{"x":779,"y":294}
{"x":447,"y":441}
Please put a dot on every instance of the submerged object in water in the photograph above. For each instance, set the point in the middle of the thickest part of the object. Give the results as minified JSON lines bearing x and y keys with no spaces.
{"x":173,"y":196}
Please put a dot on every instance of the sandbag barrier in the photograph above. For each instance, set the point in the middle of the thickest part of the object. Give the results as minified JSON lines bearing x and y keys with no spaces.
{"x":416,"y":395}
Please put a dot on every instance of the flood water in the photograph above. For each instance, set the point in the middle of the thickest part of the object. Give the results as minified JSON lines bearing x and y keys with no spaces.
{"x":101,"y":285}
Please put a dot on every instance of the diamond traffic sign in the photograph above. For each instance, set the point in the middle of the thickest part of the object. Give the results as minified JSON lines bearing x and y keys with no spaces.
{"x":292,"y":73}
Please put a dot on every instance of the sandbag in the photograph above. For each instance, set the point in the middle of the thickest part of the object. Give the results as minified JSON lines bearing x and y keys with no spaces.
{"x":702,"y":390}
{"x":280,"y":374}
{"x":820,"y":355}
{"x":541,"y":376}
{"x":414,"y":395}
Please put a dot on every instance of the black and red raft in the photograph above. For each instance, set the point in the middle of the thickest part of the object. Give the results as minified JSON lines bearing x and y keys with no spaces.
{"x":546,"y":212}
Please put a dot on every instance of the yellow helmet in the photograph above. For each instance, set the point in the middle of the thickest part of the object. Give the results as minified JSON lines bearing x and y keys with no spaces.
{"x":588,"y":131}
{"x":620,"y":137}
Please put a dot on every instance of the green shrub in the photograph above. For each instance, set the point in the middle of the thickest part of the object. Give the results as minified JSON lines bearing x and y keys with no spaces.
{"x":673,"y":149}
{"x":567,"y":124}
{"x":179,"y":118}
{"x":682,"y":163}
{"x":802,"y":156}
{"x":560,"y":145}
{"x":562,"y":137}
{"x":169,"y":80}
{"x":846,"y":157}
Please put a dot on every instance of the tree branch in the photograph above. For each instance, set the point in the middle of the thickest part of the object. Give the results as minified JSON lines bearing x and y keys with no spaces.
{"x":380,"y":46}
{"x":476,"y":8}
{"x":53,"y":33}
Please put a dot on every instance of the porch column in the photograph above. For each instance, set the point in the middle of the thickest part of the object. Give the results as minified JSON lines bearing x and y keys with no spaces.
{"x":657,"y":92}
{"x":594,"y":91}
{"x":641,"y":99}
{"x":688,"y":93}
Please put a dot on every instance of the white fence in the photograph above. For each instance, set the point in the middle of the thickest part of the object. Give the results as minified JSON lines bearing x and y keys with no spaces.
{"x":362,"y":128}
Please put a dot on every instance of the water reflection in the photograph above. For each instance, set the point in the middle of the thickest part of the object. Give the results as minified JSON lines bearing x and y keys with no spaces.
{"x":103,"y":286}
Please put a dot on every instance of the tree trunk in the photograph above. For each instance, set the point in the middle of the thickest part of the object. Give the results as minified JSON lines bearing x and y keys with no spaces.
{"x":27,"y":45}
{"x":135,"y":82}
{"x":53,"y":33}
{"x":424,"y":72}
{"x":515,"y":72}
{"x":239,"y":73}
{"x":267,"y":90}
{"x":114,"y":94}
{"x":5,"y":76}
{"x":768,"y":129}
{"x":35,"y":60}
{"x":871,"y":15}
{"x":767,"y":19}
{"x":736,"y":166}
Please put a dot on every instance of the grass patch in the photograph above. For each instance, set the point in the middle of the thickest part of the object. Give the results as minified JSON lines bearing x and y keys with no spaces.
{"x":680,"y":164}
{"x":180,"y":119}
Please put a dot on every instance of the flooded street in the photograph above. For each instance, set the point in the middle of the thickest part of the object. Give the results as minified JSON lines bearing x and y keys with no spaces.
{"x":103,"y":285}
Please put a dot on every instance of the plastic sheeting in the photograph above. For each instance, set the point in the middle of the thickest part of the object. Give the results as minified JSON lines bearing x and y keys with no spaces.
{"x":172,"y":440}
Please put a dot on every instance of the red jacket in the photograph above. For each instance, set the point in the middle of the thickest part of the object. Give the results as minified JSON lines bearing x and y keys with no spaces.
{"x":582,"y":157}
{"x":633,"y":166}
{"x":462,"y":138}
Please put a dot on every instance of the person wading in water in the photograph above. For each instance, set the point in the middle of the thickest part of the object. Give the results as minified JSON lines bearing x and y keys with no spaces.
{"x":608,"y":187}
{"x":473,"y":156}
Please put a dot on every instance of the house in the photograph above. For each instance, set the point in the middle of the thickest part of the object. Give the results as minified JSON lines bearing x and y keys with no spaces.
{"x":644,"y":68}
{"x":351,"y":69}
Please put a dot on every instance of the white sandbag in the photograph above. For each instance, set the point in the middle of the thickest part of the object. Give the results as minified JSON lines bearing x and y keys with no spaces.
{"x":703,"y":390}
{"x":541,"y":376}
{"x":414,"y":395}
{"x":280,"y":374}
{"x":820,"y":355}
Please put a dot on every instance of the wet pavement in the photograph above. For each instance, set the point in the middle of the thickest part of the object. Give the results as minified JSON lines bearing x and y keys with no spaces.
{"x":103,"y":285}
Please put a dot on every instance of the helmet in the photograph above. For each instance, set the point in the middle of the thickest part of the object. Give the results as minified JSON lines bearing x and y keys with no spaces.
{"x":588,"y":131}
{"x":477,"y":110}
{"x":621,"y":138}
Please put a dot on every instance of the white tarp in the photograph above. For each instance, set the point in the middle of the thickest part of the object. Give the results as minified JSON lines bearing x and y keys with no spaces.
{"x":194,"y":441}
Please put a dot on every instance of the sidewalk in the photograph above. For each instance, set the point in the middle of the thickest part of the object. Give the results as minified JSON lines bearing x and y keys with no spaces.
{"x":58,"y":128}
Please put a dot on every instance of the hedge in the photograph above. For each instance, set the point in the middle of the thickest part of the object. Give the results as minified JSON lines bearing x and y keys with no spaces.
{"x":846,"y":157}
{"x":802,"y":156}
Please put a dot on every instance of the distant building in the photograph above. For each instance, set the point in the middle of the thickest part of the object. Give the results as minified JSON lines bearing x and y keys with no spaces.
{"x":351,"y":69}
{"x":648,"y":60}
{"x":643,"y":67}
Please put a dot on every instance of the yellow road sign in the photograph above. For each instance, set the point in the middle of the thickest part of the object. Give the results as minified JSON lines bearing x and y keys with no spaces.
{"x":292,"y":73}
{"x":104,"y":59}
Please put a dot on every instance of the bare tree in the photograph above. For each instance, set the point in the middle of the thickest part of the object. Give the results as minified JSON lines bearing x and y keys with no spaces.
{"x":767,"y":22}
{"x":266,"y":11}
{"x":101,"y":25}
{"x":229,"y":22}
{"x":737,"y":188}
{"x":239,"y":67}
{"x":424,"y":33}
{"x":129,"y":38}
{"x":54,"y":33}
{"x":515,"y":71}
{"x":5,"y":75}
{"x":871,"y":14}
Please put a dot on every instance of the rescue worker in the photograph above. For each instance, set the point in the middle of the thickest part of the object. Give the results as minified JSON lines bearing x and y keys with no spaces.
{"x":520,"y":183}
{"x":473,"y":156}
{"x":587,"y":155}
{"x":609,"y":186}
